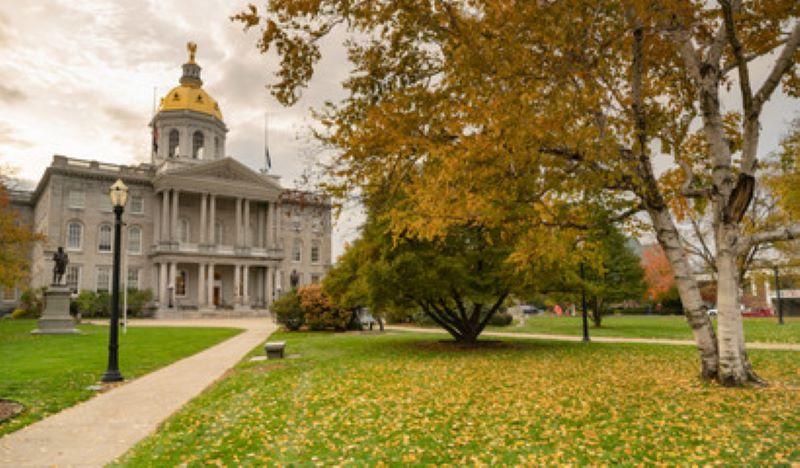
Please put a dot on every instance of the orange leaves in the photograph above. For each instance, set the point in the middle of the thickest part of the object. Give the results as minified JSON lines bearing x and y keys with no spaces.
{"x":657,"y":272}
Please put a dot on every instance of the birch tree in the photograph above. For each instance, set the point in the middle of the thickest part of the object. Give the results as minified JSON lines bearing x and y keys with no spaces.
{"x":527,"y":115}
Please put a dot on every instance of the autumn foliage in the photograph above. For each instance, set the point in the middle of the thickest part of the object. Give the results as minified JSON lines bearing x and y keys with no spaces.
{"x":657,"y":272}
{"x":16,"y":240}
{"x":319,"y":312}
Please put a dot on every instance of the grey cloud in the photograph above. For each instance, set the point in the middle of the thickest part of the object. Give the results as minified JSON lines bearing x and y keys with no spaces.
{"x":10,"y":95}
{"x":8,"y":137}
{"x":123,"y":116}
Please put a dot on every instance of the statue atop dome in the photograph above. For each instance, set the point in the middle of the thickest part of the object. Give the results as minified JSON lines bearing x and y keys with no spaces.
{"x":191,"y":47}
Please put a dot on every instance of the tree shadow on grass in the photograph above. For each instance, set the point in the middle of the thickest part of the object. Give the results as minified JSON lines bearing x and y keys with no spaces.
{"x":439,"y":346}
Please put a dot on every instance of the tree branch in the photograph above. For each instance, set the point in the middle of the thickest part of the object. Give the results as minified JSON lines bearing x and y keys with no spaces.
{"x":781,"y":234}
{"x":686,"y":188}
{"x":782,"y":65}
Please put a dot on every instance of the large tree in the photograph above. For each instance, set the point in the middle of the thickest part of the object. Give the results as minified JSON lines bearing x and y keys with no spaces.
{"x":521,"y":113}
{"x":16,"y":241}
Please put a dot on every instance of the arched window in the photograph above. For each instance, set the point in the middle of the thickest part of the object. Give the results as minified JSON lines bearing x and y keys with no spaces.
{"x":104,"y":238}
{"x":219,"y":233}
{"x":135,"y":240}
{"x":297,"y":249}
{"x":74,"y":236}
{"x":197,"y":144}
{"x":217,"y":148}
{"x":183,"y":230}
{"x":174,"y":138}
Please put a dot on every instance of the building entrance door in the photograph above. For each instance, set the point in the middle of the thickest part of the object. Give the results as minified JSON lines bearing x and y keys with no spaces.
{"x":217,"y":288}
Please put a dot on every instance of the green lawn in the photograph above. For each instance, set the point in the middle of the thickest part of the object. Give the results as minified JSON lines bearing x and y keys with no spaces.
{"x":48,"y":373}
{"x":409,"y":399}
{"x":763,"y":330}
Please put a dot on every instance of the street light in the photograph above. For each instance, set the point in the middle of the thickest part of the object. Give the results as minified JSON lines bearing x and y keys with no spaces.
{"x":778,"y":295}
{"x":119,"y":196}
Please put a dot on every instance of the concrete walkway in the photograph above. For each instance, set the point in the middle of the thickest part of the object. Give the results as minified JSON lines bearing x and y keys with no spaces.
{"x":99,"y":430}
{"x":599,"y":339}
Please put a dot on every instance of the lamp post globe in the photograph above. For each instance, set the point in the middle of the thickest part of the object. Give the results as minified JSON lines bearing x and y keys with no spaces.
{"x":119,"y":196}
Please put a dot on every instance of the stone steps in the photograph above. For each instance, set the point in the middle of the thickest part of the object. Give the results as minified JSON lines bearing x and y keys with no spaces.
{"x":185,"y":314}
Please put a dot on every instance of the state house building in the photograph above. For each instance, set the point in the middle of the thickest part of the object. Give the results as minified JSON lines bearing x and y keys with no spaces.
{"x":202,"y":230}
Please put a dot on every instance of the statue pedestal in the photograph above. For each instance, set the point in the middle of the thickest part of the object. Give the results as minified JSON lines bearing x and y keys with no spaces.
{"x":55,"y":318}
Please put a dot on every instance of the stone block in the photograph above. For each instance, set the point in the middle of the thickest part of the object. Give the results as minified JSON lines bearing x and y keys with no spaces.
{"x":55,"y":318}
{"x":275,"y":349}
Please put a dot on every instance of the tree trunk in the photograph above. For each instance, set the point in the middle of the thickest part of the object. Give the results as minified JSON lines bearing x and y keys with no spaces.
{"x":734,"y":366}
{"x":693,"y":307}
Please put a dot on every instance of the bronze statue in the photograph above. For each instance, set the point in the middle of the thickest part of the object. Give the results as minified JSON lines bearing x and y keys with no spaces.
{"x":294,"y":279}
{"x":61,"y":260}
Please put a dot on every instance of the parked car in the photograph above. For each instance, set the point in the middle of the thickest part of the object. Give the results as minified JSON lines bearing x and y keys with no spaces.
{"x":530,"y":309}
{"x":712,"y":312}
{"x":758,"y":312}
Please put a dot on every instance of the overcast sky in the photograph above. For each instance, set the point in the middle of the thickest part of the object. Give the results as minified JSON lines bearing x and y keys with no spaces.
{"x":77,"y":78}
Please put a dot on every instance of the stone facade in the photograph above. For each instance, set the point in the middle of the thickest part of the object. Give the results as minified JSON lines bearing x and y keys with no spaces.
{"x":202,"y":231}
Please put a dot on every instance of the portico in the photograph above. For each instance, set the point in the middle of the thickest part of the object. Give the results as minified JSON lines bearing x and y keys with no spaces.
{"x":216,"y":238}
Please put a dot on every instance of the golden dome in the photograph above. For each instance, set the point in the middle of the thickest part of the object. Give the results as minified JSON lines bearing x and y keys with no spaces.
{"x":188,"y":97}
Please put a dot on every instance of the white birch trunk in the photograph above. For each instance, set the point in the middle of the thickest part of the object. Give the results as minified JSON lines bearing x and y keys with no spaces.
{"x":693,"y":306}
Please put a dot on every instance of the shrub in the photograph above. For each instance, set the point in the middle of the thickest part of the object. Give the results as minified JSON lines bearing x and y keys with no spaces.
{"x":137,"y":302}
{"x":318,"y":311}
{"x":501,"y":319}
{"x":19,"y":313}
{"x":31,"y":303}
{"x":288,"y":312}
{"x":94,"y":304}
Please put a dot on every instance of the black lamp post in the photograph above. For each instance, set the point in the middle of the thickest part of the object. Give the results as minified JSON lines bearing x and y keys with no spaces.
{"x":119,"y":195}
{"x":778,"y":295}
{"x":583,"y":306}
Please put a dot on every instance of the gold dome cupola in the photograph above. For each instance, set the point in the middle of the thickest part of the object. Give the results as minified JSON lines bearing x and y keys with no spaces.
{"x":188,"y":126}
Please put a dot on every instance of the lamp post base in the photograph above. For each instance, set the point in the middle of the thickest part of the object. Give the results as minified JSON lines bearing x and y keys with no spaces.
{"x":112,"y":376}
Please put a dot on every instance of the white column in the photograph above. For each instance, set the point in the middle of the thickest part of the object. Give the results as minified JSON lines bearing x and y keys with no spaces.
{"x":210,"y":285}
{"x":238,"y":222}
{"x":165,"y":231}
{"x":270,"y":222}
{"x":260,"y":231}
{"x":156,"y":221}
{"x":212,"y":215}
{"x":201,"y":286}
{"x":278,"y":220}
{"x":269,"y":284}
{"x":246,"y":279}
{"x":246,"y":225}
{"x":768,"y":292}
{"x":236,"y":284}
{"x":203,"y":211}
{"x":173,"y":271}
{"x":163,"y":275}
{"x":175,"y":197}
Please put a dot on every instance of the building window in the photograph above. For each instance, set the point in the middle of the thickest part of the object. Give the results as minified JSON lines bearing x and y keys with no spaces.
{"x":314,"y":279}
{"x":133,"y":278}
{"x":73,"y":277}
{"x":74,"y":236}
{"x":103,"y":279}
{"x":135,"y":240}
{"x":104,"y":238}
{"x":219,"y":233}
{"x":314,"y":253}
{"x":180,"y":284}
{"x":9,"y":294}
{"x":296,"y":250}
{"x":217,"y":148}
{"x":174,"y":138}
{"x":198,"y":139}
{"x":76,"y":198}
{"x":137,"y":204}
{"x":105,"y":202}
{"x":183,"y":230}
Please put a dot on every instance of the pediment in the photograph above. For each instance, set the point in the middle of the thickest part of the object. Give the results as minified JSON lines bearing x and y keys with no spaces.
{"x":225,"y":170}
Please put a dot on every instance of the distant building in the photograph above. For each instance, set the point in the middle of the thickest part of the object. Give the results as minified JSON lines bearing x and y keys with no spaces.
{"x":202,"y":230}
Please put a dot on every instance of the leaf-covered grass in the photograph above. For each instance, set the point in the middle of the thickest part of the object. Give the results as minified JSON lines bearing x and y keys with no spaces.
{"x":48,"y":373}
{"x":762,"y":330}
{"x":408,"y":398}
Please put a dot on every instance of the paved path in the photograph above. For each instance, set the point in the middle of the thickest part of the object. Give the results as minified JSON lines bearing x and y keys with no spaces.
{"x":600,"y":339}
{"x":99,"y":430}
